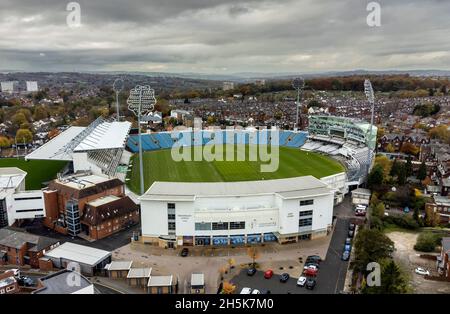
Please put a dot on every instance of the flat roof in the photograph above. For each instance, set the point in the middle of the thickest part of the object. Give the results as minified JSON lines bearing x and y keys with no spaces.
{"x":197,"y":279}
{"x":11,"y":177}
{"x":160,"y":281}
{"x":78,"y":253}
{"x":139,"y":273}
{"x":57,"y":283}
{"x":103,"y":200}
{"x":119,"y":265}
{"x":82,"y":182}
{"x":362,"y":191}
{"x":187,"y":190}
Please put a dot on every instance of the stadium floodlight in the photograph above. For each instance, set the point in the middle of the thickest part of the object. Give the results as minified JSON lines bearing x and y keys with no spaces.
{"x":368,"y":90}
{"x":299,"y":84}
{"x":141,"y":101}
{"x":118,"y":87}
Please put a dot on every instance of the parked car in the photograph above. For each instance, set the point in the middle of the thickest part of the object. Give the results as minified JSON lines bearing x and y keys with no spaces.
{"x":251,"y":271}
{"x":307,"y":264}
{"x":310,"y":283}
{"x":351,"y":227}
{"x":25,"y":281}
{"x":348,"y":241}
{"x":301,"y":281}
{"x":184,"y":252}
{"x":246,"y":290}
{"x":345,"y":256}
{"x":268,"y":274}
{"x":284,"y":277}
{"x":310,"y":272}
{"x":265,"y":291}
{"x":360,"y":212}
{"x":256,"y":291}
{"x":315,"y":258}
{"x":347,"y":247}
{"x":311,"y":267}
{"x":422,"y":271}
{"x":351,"y":233}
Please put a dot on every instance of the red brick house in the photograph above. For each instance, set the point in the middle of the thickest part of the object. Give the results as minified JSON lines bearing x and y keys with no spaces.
{"x":8,"y":284}
{"x":443,"y":259}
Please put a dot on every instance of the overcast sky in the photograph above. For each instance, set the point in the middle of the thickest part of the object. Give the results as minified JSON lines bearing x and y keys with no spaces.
{"x":224,"y":36}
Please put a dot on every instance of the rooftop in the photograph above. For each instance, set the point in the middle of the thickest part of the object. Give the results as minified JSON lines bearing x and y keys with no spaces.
{"x":59,"y":283}
{"x":103,"y":200}
{"x":139,"y":273}
{"x":78,"y":253}
{"x":16,"y":239}
{"x":119,"y":265}
{"x":160,"y":281}
{"x":11,"y":177}
{"x":290,"y":187}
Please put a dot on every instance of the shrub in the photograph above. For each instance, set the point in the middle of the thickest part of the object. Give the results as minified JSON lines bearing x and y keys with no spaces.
{"x":403,"y":221}
{"x":427,"y":241}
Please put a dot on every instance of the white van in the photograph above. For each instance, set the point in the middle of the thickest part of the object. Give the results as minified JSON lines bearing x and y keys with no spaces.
{"x":246,"y":290}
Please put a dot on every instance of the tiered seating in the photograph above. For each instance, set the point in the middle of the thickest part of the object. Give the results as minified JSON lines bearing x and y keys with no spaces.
{"x":106,"y":159}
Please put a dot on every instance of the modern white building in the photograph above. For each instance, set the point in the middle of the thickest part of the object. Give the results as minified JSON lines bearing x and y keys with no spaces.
{"x":15,"y":202}
{"x":98,"y":148}
{"x":32,"y":86}
{"x":233,"y":213}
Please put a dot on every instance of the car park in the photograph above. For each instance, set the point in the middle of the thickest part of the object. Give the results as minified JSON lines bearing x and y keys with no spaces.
{"x":301,"y":281}
{"x":422,"y":271}
{"x":268,"y":274}
{"x":184,"y":252}
{"x":310,"y":283}
{"x":284,"y":277}
{"x":345,"y":256}
{"x":246,"y":290}
{"x":251,"y":271}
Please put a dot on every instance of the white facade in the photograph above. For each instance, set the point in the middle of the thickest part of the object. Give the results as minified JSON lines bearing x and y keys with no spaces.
{"x":244,"y":211}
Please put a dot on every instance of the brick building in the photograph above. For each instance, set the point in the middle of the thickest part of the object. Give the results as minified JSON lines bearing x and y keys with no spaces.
{"x":92,"y":205}
{"x":8,"y":284}
{"x":444,"y":258}
{"x":21,"y":248}
{"x":441,"y":206}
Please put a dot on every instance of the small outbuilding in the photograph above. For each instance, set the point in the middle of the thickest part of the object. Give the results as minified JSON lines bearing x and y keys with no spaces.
{"x":138,"y":277}
{"x":118,"y":269}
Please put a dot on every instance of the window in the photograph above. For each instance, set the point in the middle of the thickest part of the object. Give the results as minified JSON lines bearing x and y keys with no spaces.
{"x":305,"y":222}
{"x":170,"y":205}
{"x":306,"y":213}
{"x":171,"y":216}
{"x":237,"y":225}
{"x":171,"y":226}
{"x":306,"y":202}
{"x":202,"y":226}
{"x":220,"y":226}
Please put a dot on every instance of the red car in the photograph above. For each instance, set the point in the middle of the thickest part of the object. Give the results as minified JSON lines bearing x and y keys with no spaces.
{"x":310,"y":272}
{"x":360,"y":213}
{"x":268,"y":274}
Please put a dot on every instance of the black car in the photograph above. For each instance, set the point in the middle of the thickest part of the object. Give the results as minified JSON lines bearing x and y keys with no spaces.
{"x":315,"y":258}
{"x":345,"y":255}
{"x":284,"y":277}
{"x":311,"y":263}
{"x":310,"y":283}
{"x":251,"y":271}
{"x":265,"y":291}
{"x":351,"y":227}
{"x":351,"y":233}
{"x":25,"y":281}
{"x":184,"y":252}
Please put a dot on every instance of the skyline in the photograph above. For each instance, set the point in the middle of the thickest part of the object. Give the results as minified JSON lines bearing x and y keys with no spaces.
{"x":224,"y":37}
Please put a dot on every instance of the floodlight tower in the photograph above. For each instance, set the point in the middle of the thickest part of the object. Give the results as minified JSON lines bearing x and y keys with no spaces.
{"x":118,"y":87}
{"x":298,"y":84}
{"x":141,"y":101}
{"x":368,"y":90}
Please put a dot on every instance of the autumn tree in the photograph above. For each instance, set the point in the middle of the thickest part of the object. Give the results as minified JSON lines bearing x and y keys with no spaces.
{"x":254,"y":254}
{"x":409,"y":148}
{"x":24,"y":136}
{"x":228,"y":288}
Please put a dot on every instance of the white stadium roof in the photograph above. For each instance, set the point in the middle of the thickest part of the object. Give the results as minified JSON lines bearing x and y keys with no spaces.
{"x":105,"y":135}
{"x":11,"y":177}
{"x":286,"y":188}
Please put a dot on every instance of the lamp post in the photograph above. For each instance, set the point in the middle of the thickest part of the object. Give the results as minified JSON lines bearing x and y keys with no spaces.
{"x":141,"y":101}
{"x":118,"y":87}
{"x":298,"y":84}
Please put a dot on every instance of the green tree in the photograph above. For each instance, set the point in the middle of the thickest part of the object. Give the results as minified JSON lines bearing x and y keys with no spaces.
{"x":375,"y":178}
{"x":422,"y":173}
{"x":18,"y":119}
{"x":401,"y":174}
{"x":408,"y":167}
{"x":24,"y":135}
{"x":378,"y":210}
{"x":371,"y":245}
{"x":393,"y":281}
